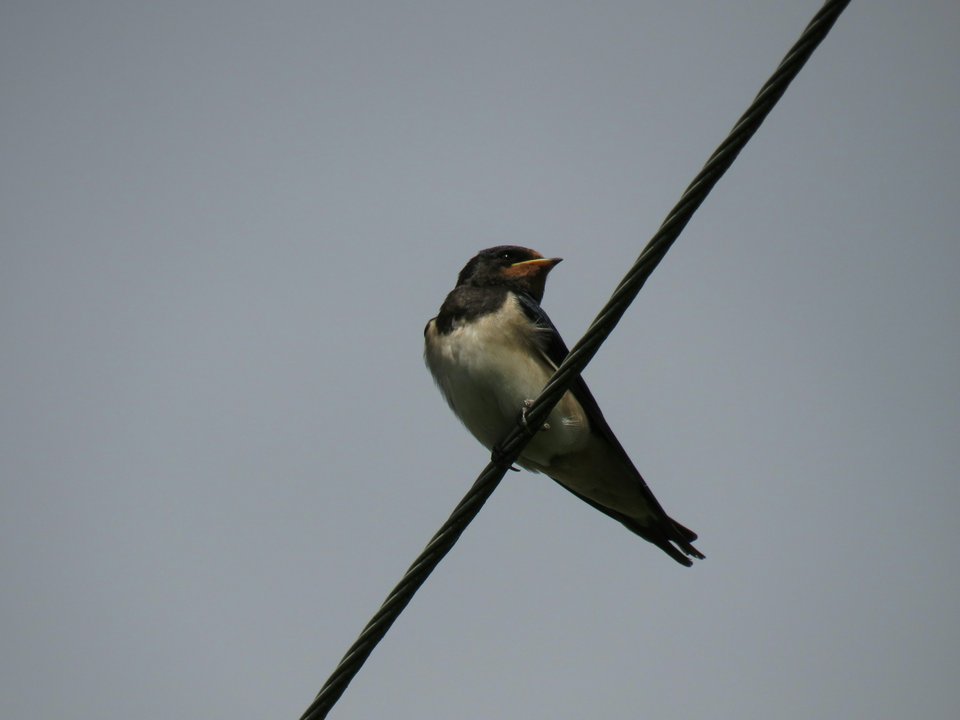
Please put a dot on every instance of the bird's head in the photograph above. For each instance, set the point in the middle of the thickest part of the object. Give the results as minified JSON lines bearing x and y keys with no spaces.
{"x":511,"y":266}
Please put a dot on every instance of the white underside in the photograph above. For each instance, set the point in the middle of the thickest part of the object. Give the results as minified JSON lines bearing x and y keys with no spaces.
{"x":487,"y":368}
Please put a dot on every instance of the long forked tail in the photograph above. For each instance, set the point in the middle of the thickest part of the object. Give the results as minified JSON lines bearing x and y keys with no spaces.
{"x":668,"y":536}
{"x":663,"y":531}
{"x":683,"y":538}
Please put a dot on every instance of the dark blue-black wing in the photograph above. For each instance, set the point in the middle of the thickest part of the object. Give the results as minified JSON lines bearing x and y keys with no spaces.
{"x":555,"y":350}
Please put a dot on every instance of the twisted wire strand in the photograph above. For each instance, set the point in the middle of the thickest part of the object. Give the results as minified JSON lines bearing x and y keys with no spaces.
{"x":581,"y":354}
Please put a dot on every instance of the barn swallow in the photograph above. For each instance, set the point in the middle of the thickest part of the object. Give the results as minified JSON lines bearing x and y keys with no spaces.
{"x":491,"y":350}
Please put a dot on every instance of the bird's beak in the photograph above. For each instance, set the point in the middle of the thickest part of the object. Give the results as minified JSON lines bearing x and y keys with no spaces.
{"x":532,"y":274}
{"x":544,"y":263}
{"x":530,"y":269}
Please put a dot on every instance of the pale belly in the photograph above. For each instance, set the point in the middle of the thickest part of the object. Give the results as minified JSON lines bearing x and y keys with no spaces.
{"x":486,"y":375}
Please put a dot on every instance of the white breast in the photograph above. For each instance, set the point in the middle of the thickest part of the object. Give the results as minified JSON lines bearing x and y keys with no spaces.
{"x":488,"y":367}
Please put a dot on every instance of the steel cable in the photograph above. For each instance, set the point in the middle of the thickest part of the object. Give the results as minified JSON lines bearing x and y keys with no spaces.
{"x":581,"y":354}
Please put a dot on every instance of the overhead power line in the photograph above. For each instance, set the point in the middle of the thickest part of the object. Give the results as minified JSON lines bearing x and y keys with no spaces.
{"x":581,"y":354}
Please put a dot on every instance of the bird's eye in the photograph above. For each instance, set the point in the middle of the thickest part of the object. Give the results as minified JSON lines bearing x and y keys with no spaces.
{"x":507,"y":256}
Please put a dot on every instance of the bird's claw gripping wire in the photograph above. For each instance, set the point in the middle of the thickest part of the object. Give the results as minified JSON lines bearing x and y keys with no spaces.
{"x":527,"y":404}
{"x":496,"y":455}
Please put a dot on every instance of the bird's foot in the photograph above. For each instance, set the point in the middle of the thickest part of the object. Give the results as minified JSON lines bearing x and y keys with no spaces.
{"x":497,"y":453}
{"x":527,"y":404}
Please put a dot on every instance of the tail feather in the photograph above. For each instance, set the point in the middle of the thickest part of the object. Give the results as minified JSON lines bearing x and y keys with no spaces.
{"x":667,"y":536}
{"x":658,"y":528}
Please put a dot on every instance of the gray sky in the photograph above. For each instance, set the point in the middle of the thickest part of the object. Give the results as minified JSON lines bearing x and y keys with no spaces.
{"x":223,"y":226}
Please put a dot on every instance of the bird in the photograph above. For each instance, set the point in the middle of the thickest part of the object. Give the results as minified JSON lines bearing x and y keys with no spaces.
{"x":491,"y":349}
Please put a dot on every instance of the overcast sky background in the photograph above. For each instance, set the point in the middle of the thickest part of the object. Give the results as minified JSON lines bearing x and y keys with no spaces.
{"x":223,"y":226}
